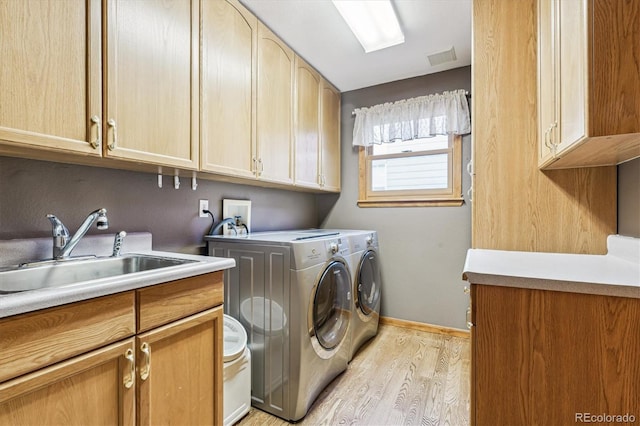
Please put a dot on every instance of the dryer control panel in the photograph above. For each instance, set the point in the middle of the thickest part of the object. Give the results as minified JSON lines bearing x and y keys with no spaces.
{"x":312,"y":252}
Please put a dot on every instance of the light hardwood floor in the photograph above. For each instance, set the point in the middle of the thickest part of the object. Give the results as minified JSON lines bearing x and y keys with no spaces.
{"x":401,"y":377}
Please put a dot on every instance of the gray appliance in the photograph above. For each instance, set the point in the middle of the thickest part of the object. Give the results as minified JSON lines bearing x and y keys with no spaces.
{"x":291,"y":290}
{"x":367,"y":286}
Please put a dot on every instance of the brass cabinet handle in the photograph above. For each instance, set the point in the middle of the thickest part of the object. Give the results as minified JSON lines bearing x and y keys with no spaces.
{"x":261,"y":166}
{"x":466,"y":290}
{"x":95,"y":144}
{"x":469,"y":323}
{"x":131,"y":378}
{"x":146,"y":350}
{"x":112,"y":124}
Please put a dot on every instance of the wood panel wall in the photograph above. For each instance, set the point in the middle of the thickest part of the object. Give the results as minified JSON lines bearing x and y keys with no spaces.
{"x":515,"y":205}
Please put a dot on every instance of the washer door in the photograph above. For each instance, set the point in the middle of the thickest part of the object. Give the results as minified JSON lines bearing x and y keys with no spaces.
{"x":368,"y":290}
{"x":330,"y":308}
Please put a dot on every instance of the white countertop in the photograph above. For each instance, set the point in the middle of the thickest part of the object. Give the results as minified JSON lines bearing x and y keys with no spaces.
{"x":616,"y":274}
{"x":32,"y":300}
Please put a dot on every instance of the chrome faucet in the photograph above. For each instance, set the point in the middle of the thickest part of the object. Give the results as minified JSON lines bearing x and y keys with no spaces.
{"x":62,"y":244}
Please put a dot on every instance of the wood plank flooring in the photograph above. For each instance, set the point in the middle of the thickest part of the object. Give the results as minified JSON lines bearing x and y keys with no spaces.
{"x":401,"y":377}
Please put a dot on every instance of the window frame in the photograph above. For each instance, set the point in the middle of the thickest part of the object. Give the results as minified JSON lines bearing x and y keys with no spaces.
{"x":441,"y":197}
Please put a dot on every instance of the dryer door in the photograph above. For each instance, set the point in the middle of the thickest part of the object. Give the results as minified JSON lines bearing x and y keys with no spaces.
{"x":368,"y":290}
{"x":330,"y":311}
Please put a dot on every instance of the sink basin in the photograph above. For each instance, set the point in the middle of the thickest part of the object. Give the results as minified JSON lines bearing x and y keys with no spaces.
{"x":70,"y":272}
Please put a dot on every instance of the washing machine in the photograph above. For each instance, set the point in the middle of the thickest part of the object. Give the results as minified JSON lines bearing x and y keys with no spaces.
{"x":291,"y":290}
{"x":366,"y":289}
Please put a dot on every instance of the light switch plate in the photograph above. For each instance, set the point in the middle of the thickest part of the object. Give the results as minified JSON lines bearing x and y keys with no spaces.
{"x":232,"y":208}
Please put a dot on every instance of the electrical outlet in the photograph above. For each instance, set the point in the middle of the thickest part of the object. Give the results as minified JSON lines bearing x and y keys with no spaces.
{"x":203,"y":205}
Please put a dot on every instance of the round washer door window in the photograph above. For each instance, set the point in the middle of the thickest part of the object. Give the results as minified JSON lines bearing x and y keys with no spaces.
{"x":331,"y":306}
{"x":368,"y":291}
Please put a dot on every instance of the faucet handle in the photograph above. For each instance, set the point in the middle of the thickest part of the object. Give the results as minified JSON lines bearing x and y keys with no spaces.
{"x":59,"y":231}
{"x":117,"y":243}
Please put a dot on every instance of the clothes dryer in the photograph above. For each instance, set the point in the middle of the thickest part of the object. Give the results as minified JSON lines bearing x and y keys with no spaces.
{"x":366,"y":290}
{"x":291,"y":290}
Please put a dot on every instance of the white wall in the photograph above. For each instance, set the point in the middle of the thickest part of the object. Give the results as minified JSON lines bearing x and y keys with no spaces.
{"x":422,"y":249}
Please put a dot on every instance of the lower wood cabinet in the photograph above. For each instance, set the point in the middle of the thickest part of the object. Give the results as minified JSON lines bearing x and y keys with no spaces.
{"x":553,"y":358}
{"x":92,"y":389}
{"x":180,"y":372}
{"x":167,"y":369}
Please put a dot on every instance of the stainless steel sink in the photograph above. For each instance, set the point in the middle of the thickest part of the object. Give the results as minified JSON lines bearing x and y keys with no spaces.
{"x":70,"y":272}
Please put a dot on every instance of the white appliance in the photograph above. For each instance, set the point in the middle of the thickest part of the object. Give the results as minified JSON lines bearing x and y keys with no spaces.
{"x":236,"y":372}
{"x":291,"y":290}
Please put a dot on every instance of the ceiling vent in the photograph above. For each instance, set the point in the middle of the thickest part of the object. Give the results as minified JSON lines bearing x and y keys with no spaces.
{"x":440,"y":58}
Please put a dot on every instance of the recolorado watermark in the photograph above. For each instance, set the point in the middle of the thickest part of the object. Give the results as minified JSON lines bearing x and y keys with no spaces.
{"x":605,"y":418}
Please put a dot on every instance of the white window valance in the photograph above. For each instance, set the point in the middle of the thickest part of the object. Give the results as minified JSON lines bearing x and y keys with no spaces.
{"x":421,"y":117}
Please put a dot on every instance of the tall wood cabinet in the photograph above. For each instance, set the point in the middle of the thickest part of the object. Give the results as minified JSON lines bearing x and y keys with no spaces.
{"x":516,"y":206}
{"x":228,"y":89}
{"x":588,"y":55}
{"x":51,"y":77}
{"x":275,"y":79}
{"x":151,"y":80}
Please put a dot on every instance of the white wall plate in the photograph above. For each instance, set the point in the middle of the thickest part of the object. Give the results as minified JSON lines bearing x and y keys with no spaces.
{"x":233,"y":208}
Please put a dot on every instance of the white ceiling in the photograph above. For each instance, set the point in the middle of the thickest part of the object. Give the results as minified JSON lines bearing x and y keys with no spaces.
{"x":317,"y":32}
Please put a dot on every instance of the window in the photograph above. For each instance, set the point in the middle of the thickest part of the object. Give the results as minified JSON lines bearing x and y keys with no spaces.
{"x":417,"y":172}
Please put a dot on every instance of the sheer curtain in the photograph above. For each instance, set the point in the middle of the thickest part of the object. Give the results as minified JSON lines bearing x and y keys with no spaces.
{"x":424,"y":116}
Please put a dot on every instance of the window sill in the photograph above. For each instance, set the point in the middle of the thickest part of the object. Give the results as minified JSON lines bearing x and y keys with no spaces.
{"x":433,"y":202}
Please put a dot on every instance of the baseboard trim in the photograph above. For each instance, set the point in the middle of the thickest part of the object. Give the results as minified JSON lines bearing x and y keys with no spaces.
{"x":414,"y":325}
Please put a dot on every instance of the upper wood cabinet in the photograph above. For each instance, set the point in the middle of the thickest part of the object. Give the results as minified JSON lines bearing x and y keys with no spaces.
{"x":330,"y":137}
{"x":151,"y":74}
{"x":275,"y":79}
{"x":50,"y":78}
{"x":307,"y":125}
{"x":187,"y":84}
{"x":227,"y":89}
{"x":317,"y":130}
{"x":588,"y":78}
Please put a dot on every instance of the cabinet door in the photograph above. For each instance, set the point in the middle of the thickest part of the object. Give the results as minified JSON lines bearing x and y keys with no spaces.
{"x":180,"y":371}
{"x":274,"y":108}
{"x":547,"y":78}
{"x":572,"y":63}
{"x":50,"y":79}
{"x":229,"y":38}
{"x":307,"y":137}
{"x":152,"y":75}
{"x":330,"y":137}
{"x":97,"y":388}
